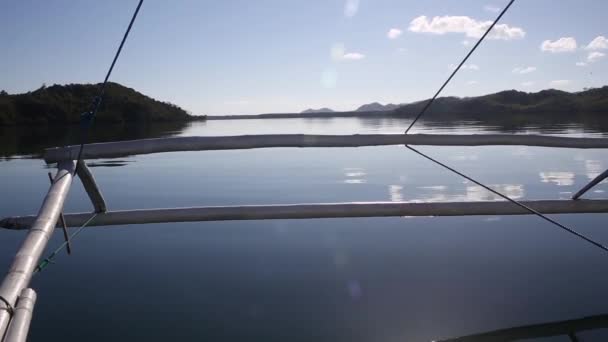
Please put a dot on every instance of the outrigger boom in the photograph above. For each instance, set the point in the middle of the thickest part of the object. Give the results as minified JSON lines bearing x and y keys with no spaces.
{"x":15,"y":294}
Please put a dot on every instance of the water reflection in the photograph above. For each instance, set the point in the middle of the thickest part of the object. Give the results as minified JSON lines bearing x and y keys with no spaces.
{"x":560,"y":178}
{"x":32,"y":140}
{"x":395,"y":193}
{"x":593,"y":168}
{"x":460,"y":156}
{"x":354,"y":175}
{"x":444,"y":193}
{"x":477,"y":193}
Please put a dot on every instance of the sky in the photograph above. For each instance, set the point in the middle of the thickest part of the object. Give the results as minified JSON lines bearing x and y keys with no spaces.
{"x":265,"y":56}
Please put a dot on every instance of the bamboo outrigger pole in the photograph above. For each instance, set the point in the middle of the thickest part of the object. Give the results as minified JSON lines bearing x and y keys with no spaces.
{"x":537,"y":331}
{"x":319,"y":210}
{"x":147,"y":146}
{"x":26,"y":259}
{"x":20,"y":324}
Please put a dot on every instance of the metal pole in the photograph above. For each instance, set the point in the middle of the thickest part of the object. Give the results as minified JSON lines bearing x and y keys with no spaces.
{"x":88,"y":181}
{"x":591,"y":184}
{"x":26,"y":259}
{"x":20,"y":324}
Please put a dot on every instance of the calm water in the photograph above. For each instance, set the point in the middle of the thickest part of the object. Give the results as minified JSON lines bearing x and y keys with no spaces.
{"x":369,"y":279}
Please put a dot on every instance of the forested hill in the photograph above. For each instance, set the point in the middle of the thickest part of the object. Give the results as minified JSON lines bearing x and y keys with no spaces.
{"x":509,"y":103}
{"x":63,"y":104}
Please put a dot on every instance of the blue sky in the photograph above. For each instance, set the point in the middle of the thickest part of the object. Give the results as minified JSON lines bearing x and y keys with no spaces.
{"x":247,"y":57}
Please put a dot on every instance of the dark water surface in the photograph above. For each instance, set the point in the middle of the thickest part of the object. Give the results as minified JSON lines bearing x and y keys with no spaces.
{"x":368,"y":279}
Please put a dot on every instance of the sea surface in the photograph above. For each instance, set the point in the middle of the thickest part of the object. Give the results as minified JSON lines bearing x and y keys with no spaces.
{"x":363,"y":279}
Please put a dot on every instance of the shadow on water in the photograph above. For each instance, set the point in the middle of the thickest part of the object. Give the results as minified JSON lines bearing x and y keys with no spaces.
{"x":30,"y":141}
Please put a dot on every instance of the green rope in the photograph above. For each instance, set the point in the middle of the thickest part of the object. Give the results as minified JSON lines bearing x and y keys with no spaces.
{"x":49,"y":260}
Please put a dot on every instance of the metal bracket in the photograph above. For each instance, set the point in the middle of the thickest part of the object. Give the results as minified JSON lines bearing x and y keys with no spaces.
{"x":88,"y":181}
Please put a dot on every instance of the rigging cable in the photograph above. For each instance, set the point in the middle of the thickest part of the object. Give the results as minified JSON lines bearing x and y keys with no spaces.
{"x":49,"y":260}
{"x":428,"y":104}
{"x":535,"y":212}
{"x":86,"y":118}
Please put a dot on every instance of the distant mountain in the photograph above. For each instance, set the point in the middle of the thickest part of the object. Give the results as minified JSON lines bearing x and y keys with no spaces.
{"x":63,"y":104}
{"x":320,"y":110}
{"x":513,"y":102}
{"x":505,"y":102}
{"x":376,"y":107}
{"x":370,"y":107}
{"x":507,"y":110}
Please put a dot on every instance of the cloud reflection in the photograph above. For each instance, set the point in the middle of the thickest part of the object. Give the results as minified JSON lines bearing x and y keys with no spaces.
{"x":395,"y":193}
{"x":593,"y":168}
{"x":470,"y":193}
{"x":561,"y":178}
{"x":354,"y":175}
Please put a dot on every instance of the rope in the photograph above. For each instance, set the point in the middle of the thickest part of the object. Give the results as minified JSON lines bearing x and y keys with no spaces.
{"x":428,"y":104}
{"x":49,"y":260}
{"x":86,"y":118}
{"x":533,"y":211}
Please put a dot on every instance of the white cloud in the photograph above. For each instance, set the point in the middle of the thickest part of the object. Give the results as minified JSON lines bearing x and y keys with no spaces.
{"x":351,"y":7}
{"x":491,"y":8}
{"x":595,"y":56}
{"x":353,"y":56}
{"x":338,"y":53}
{"x":527,"y":84}
{"x":464,"y":67}
{"x":524,"y":70}
{"x":581,"y":64}
{"x":599,"y":43}
{"x":564,"y":44}
{"x":462,"y":24}
{"x":559,"y":83}
{"x":394,"y":33}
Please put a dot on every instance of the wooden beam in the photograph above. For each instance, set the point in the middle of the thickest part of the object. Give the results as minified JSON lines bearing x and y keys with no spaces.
{"x":311,"y":211}
{"x":26,"y":259}
{"x":89,"y":184}
{"x":147,"y":146}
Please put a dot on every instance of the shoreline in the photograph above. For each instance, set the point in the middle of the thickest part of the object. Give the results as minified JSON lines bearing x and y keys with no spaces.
{"x":324,"y":115}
